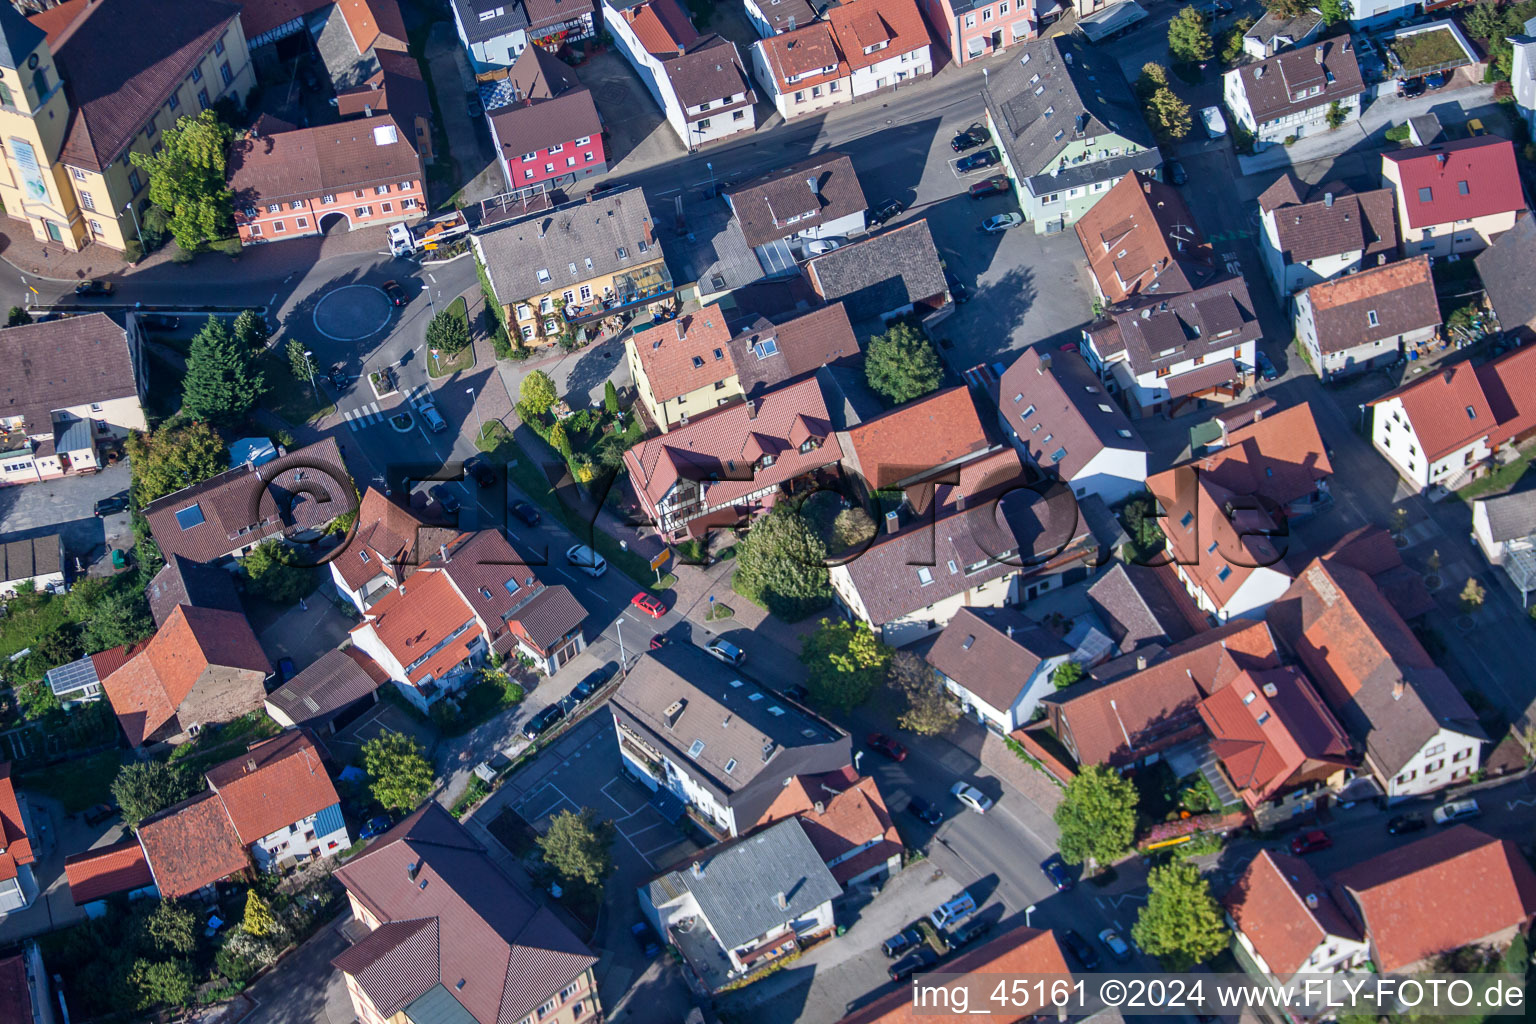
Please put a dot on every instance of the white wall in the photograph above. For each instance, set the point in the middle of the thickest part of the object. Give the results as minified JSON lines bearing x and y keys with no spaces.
{"x":646,"y":66}
{"x":1148,"y":389}
{"x":1263,"y":587}
{"x":927,"y":620}
{"x":1394,"y":437}
{"x":269,"y":849}
{"x":1427,"y":772}
{"x":1295,"y":277}
{"x":897,"y":68}
{"x":1113,"y":474}
{"x":690,"y":126}
{"x":50,"y":581}
{"x":812,"y":99}
{"x":1303,"y":123}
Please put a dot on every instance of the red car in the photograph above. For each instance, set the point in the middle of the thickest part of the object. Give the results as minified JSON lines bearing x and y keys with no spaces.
{"x":658,"y":641}
{"x":887,"y":746}
{"x":649,"y":604}
{"x":1310,"y":842}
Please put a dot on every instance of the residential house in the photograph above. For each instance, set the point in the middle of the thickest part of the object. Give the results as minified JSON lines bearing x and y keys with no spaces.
{"x":1225,"y":514}
{"x":227,"y":516}
{"x":36,"y":563}
{"x":1132,"y":719}
{"x":892,"y":274}
{"x":768,"y":353}
{"x":818,"y":197}
{"x":330,"y":693}
{"x":202,"y":667}
{"x":1522,"y":70}
{"x":998,"y":663}
{"x":692,"y":731}
{"x":801,"y":69}
{"x":1454,"y":197}
{"x":497,"y":32}
{"x":1504,"y":526}
{"x":387,"y":544}
{"x":1145,"y":605}
{"x":79,"y":681}
{"x":1378,"y":13}
{"x":683,"y":367}
{"x":1456,"y":424}
{"x":846,"y":820}
{"x":183,"y":581}
{"x":76,"y":382}
{"x":984,"y":540}
{"x":971,"y":29}
{"x":730,"y":464}
{"x":450,"y":937}
{"x":1416,"y":731}
{"x":1286,"y":919}
{"x":1055,"y":409}
{"x":549,"y":134}
{"x":567,"y":267}
{"x":1367,"y":320}
{"x":24,"y":991}
{"x":1276,"y":743}
{"x":1310,"y":237}
{"x":1296,"y":93}
{"x":87,"y":85}
{"x":281,"y":801}
{"x":758,"y":898}
{"x":425,"y":636}
{"x":778,"y":17}
{"x":350,"y":36}
{"x":189,"y":847}
{"x":396,"y":89}
{"x":1275,"y":32}
{"x":119,"y":867}
{"x":884,"y":42}
{"x":1444,"y":892}
{"x":1504,"y":268}
{"x":1067,"y":126}
{"x":18,"y":888}
{"x":930,"y":437}
{"x":1142,"y":243}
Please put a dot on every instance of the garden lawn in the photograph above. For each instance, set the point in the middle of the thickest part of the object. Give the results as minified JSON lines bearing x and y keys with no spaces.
{"x":77,"y":784}
{"x":288,"y":399}
{"x":443,"y":364}
{"x":1427,"y":50}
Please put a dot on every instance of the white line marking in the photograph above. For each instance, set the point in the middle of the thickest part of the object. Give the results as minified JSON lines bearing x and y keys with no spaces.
{"x":1512,"y":804}
{"x":432,"y":279}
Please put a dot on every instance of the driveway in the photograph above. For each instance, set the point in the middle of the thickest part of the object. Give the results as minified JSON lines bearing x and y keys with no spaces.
{"x":66,"y":506}
{"x":304,"y":988}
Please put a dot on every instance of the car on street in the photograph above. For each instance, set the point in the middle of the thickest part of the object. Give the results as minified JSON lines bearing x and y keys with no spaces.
{"x":337,"y":376}
{"x":976,"y":161}
{"x":100,"y":813}
{"x":818,"y":246}
{"x":159,"y":321}
{"x":1215,"y":124}
{"x":443,"y":493}
{"x":650,"y":604}
{"x":1000,"y":222}
{"x":924,"y":811}
{"x":93,"y":287}
{"x":593,"y":682}
{"x":970,"y":931}
{"x":1175,"y":172}
{"x":1056,"y":870}
{"x":971,"y":797}
{"x":1475,"y":128}
{"x":989,"y":187}
{"x":587,"y":560}
{"x":111,"y":506}
{"x":972,"y":137}
{"x":727,"y":652}
{"x":1118,"y":947}
{"x":1403,"y":824}
{"x":1310,"y":842}
{"x":645,"y":938}
{"x":658,"y":641}
{"x":526,"y":512}
{"x":568,"y":704}
{"x":480,"y":471}
{"x":901,"y":942}
{"x":376,"y":826}
{"x":953,"y":910}
{"x":888,"y":210}
{"x":879,"y":741}
{"x":921,"y":960}
{"x":543,"y":721}
{"x":1267,"y":368}
{"x":1456,"y":810}
{"x":435,"y":421}
{"x":395,"y":292}
{"x":957,"y":289}
{"x":1079,"y":949}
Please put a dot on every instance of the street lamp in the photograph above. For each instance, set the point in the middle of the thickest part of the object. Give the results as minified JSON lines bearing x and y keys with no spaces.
{"x":1027,"y":911}
{"x":136,"y":229}
{"x":478,"y":424}
{"x":711,"y":167}
{"x":618,"y":625}
{"x":309,"y":364}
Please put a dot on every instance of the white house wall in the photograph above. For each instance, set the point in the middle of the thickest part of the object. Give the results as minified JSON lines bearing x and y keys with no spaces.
{"x":894,"y":70}
{"x":1427,"y":772}
{"x":1113,"y":474}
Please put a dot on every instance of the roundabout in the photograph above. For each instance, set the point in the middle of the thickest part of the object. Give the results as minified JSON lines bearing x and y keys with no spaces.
{"x":352,"y":312}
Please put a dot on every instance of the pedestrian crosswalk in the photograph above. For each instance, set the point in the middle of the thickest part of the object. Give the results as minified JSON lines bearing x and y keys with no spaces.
{"x":370,"y":415}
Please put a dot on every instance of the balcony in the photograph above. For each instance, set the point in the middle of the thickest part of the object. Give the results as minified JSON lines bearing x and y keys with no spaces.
{"x":630,"y":289}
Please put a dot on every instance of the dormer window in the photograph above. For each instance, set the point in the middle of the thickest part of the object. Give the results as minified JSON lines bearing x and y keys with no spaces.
{"x":1372,"y":319}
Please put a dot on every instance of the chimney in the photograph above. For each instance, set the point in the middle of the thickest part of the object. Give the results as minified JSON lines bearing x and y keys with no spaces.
{"x":821,"y":808}
{"x":1141,"y":662}
{"x":1328,"y":199}
{"x":681,"y":331}
{"x":751,"y":408}
{"x":1311,"y":901}
{"x":1440,"y":159}
{"x":1010,"y":631}
{"x":650,"y":236}
{"x":442,"y":549}
{"x":780,"y":899}
{"x":791,"y":22}
{"x":413,"y":869}
{"x":1045,"y":363}
{"x":1397,"y":690}
{"x":892,"y":521}
{"x":1271,"y":690}
{"x":250,"y":764}
{"x":1146,"y":187}
{"x":815,"y":188}
{"x":698,"y":869}
{"x":1317,"y":55}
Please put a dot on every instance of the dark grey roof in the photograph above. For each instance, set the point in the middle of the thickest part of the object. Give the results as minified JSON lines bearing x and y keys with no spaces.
{"x":882,"y":273}
{"x":511,"y":18}
{"x":992,"y":652}
{"x":738,"y":885}
{"x":1271,"y":85}
{"x":18,"y":37}
{"x":327,"y":687}
{"x":819,"y":188}
{"x":63,"y":363}
{"x":1195,"y":323}
{"x":26,"y":559}
{"x":1076,"y":418}
{"x":1086,"y":96}
{"x":768,"y":354}
{"x":1137,"y":607}
{"x":184,"y":581}
{"x":515,"y":251}
{"x":1511,"y":516}
{"x":553,"y":612}
{"x":787,"y":15}
{"x":1078,"y":175}
{"x":1505,"y":268}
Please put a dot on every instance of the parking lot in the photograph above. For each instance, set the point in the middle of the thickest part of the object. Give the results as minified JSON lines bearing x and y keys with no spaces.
{"x":67,"y":506}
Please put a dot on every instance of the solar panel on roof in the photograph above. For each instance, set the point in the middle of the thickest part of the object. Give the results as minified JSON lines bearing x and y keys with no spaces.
{"x":77,"y":675}
{"x":189,"y":517}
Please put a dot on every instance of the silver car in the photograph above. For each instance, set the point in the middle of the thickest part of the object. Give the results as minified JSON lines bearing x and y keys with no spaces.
{"x":587,"y":560}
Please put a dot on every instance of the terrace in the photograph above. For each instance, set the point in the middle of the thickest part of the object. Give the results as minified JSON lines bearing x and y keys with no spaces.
{"x":1427,"y":49}
{"x":630,"y":288}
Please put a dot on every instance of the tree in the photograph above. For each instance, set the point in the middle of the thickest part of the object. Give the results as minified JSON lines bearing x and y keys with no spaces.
{"x":1333,"y":11}
{"x":1167,"y":114}
{"x":1067,"y":673}
{"x":400,"y":776}
{"x":852,"y":527}
{"x":901,"y":364}
{"x":1153,"y":77}
{"x":1337,"y":114}
{"x":300,"y":364}
{"x":1287,"y":8}
{"x":250,"y":329}
{"x":1489,"y":20}
{"x":1181,"y":922}
{"x":610,"y":398}
{"x":1141,"y":522}
{"x":161,"y":982}
{"x":1189,"y":41}
{"x":782,"y":565}
{"x":448,"y":332}
{"x":187,"y":179}
{"x":144,"y":787}
{"x":1232,"y":40}
{"x":1097,"y":816}
{"x":259,"y":919}
{"x":1472,"y":595}
{"x":17,"y":317}
{"x":538,"y":392}
{"x":172,"y":458}
{"x":171,"y":928}
{"x":930,"y":710}
{"x":560,"y":440}
{"x":271,"y":574}
{"x":844,"y":663}
{"x":579,"y":847}
{"x":222,"y":383}
{"x":118,"y":616}
{"x":1399,"y":520}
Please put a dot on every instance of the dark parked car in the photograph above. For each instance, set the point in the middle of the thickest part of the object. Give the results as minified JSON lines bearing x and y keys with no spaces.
{"x":541,"y":722}
{"x":94,"y":287}
{"x":1078,"y":949}
{"x":1117,"y":946}
{"x":526,"y":512}
{"x":100,"y":813}
{"x":1412,"y":87}
{"x":480,"y":471}
{"x":159,"y":321}
{"x":395,"y":292}
{"x":113,"y":505}
{"x":593,"y":682}
{"x":990,"y":187}
{"x":645,"y":938}
{"x":284,"y":670}
{"x":1267,"y":368}
{"x":338,"y":377}
{"x":1435,"y":81}
{"x":1177,"y":175}
{"x":976,"y":161}
{"x":957,"y":291}
{"x":884,"y":744}
{"x":901,"y":942}
{"x":886,"y":211}
{"x":1406,"y":823}
{"x":1056,"y":870}
{"x":446,"y":498}
{"x":924,"y":811}
{"x":1310,"y":842}
{"x":970,"y":931}
{"x":374,"y":827}
{"x":972,"y":137}
{"x":920,"y":961}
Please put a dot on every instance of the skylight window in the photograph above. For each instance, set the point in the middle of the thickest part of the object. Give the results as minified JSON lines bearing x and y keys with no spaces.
{"x":925,"y":575}
{"x":698,"y":361}
{"x":1226,"y":571}
{"x":1189,"y":517}
{"x":190,"y":516}
{"x":1426,"y":194}
{"x":1372,"y":318}
{"x":1250,"y":697}
{"x":697,"y":749}
{"x":730,"y":766}
{"x":1471,"y":415}
{"x":1461,"y":187}
{"x":965,"y":644}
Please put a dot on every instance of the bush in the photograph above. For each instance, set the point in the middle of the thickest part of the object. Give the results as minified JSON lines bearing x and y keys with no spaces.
{"x":242,"y":955}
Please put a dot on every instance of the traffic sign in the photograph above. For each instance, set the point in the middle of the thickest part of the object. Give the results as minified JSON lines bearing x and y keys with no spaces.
{"x":661,"y":559}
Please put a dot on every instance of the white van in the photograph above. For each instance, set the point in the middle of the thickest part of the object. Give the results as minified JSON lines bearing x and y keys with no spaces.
{"x":957,"y":909}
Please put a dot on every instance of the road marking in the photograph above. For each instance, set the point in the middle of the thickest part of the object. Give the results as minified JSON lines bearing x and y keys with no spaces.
{"x":273,"y":300}
{"x":1512,"y":804}
{"x":432,"y":279}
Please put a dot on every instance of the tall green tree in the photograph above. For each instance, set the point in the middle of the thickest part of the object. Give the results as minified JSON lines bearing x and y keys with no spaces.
{"x":187,"y":179}
{"x":250,"y":329}
{"x":272,"y":575}
{"x":930,"y":709}
{"x":171,"y":928}
{"x":579,"y":846}
{"x":537,"y":392}
{"x":172,"y":458}
{"x":1097,"y":816}
{"x":1167,"y":115}
{"x":448,"y":332}
{"x":119,"y":616}
{"x":300,"y":365}
{"x":1333,"y":11}
{"x":901,"y":364}
{"x":161,"y":982}
{"x":844,"y":663}
{"x":782,"y":565}
{"x":144,"y":787}
{"x":259,"y":919}
{"x":1067,"y":673}
{"x":399,"y":775}
{"x":1181,"y":923}
{"x":610,"y":398}
{"x":222,"y":384}
{"x":1189,"y":41}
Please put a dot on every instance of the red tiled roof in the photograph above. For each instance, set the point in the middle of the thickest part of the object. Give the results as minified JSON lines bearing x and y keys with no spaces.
{"x":374,"y":23}
{"x":917,"y":437}
{"x":1450,"y":408}
{"x":276,"y":783}
{"x":661,"y":26}
{"x":897,"y":23}
{"x":191,"y":845}
{"x":1374,"y":305}
{"x":1269,"y":903}
{"x":1467,"y":178}
{"x":1450,"y":889}
{"x":1140,"y":232}
{"x":389,"y":533}
{"x":15,"y":993}
{"x":849,"y":816}
{"x":17,"y":845}
{"x":413,"y":619}
{"x":105,"y":870}
{"x":680,"y":356}
{"x":805,"y":49}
